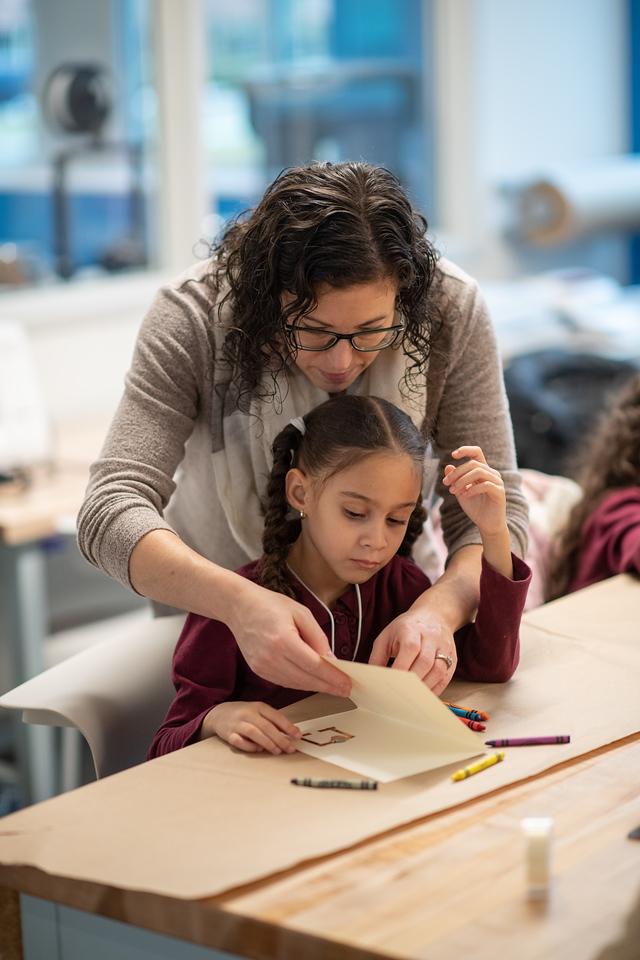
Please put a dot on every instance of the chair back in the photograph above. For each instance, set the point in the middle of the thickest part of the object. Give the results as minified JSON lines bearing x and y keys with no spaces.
{"x":116,"y":692}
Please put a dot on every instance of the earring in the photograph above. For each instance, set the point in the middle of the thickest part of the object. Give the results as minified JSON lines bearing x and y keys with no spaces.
{"x":302,"y":515}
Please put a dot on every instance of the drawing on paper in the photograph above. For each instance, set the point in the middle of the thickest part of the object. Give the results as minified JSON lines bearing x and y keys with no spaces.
{"x":326,"y":735}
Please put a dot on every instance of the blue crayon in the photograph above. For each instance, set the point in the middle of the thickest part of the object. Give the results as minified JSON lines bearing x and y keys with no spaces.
{"x":468,"y":714}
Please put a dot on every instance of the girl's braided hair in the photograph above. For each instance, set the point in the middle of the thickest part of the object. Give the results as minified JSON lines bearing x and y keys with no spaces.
{"x":338,"y":434}
{"x":610,"y":461}
{"x":338,"y":224}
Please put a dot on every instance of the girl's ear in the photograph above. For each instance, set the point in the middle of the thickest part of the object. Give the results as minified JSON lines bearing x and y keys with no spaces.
{"x":296,"y":489}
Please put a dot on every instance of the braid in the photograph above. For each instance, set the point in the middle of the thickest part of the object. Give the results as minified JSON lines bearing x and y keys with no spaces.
{"x":279,"y":531}
{"x":414,"y":529}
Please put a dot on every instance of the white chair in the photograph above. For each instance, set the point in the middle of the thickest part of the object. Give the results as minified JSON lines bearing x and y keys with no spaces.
{"x":115,"y":693}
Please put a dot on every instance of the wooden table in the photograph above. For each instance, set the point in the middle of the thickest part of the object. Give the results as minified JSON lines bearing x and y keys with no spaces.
{"x":450,"y":885}
{"x":28,"y":518}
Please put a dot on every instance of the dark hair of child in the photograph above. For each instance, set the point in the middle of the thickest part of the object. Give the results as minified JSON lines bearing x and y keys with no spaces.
{"x":609,"y":461}
{"x":338,"y":434}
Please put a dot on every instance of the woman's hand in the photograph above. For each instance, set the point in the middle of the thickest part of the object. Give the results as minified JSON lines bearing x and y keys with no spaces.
{"x":414,"y":639}
{"x":479,"y":489}
{"x":253,"y":727}
{"x":426,"y":629}
{"x":282,"y":642}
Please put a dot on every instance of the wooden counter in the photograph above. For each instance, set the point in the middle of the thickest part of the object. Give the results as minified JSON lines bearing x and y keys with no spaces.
{"x":452,"y":884}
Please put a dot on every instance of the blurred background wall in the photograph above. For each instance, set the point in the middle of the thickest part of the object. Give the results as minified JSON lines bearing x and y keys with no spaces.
{"x":132,"y":130}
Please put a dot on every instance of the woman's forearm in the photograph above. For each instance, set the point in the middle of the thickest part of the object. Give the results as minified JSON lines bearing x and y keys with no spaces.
{"x":456,"y":594}
{"x":165,"y":569}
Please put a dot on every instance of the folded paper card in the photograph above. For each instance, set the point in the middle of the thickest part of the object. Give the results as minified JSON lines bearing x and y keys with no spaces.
{"x":398,"y":729}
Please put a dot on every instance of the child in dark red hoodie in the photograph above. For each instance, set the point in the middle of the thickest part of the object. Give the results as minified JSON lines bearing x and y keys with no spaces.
{"x":602,"y":534}
{"x":352,"y":471}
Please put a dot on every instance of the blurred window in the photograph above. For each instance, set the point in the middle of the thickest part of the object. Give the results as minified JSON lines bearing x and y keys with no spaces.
{"x":290,"y":81}
{"x":634,"y":100}
{"x":76,"y":111}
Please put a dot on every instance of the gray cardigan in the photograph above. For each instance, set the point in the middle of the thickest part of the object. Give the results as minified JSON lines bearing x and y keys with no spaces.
{"x":154,"y":468}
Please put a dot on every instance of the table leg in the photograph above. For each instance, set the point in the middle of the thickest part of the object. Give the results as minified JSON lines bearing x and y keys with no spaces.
{"x":10,"y":933}
{"x":24,"y":595}
{"x":71,"y":742}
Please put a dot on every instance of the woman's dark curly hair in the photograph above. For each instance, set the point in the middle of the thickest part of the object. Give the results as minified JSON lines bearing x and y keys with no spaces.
{"x":338,"y":224}
{"x":610,"y":461}
{"x":338,"y":434}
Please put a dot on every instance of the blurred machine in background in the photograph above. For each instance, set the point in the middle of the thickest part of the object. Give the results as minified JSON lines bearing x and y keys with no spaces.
{"x":77,"y":102}
{"x":568,"y":338}
{"x":566,"y":203}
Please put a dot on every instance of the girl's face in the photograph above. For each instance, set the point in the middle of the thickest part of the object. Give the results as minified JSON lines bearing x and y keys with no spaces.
{"x":349,"y":310}
{"x":355,"y":521}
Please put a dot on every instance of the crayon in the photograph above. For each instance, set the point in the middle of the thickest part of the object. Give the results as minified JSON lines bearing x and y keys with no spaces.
{"x":528,"y":741}
{"x":477,"y":767}
{"x":473,"y":724}
{"x":337,"y":784}
{"x":467,"y":710}
{"x":468,"y":714}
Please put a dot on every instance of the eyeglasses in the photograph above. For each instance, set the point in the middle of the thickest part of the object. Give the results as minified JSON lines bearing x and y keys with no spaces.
{"x":308,"y":338}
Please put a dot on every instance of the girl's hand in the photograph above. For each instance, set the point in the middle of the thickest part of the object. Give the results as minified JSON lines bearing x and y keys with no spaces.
{"x":479,"y":490}
{"x":253,"y":727}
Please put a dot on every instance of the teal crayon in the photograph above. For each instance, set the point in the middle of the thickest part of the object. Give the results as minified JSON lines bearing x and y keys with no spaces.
{"x":467,"y":714}
{"x":336,"y":784}
{"x":467,"y":711}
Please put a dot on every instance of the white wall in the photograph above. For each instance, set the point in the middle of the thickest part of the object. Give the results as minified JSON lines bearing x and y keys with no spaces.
{"x":82,"y":337}
{"x":522,"y":86}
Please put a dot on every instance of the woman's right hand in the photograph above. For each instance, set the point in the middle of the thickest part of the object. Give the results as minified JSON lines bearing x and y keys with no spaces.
{"x":282,"y":642}
{"x":253,"y":727}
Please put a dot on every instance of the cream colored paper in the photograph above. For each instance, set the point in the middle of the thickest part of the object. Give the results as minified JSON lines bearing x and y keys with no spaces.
{"x":399,"y":728}
{"x":205,"y":819}
{"x":606,"y":608}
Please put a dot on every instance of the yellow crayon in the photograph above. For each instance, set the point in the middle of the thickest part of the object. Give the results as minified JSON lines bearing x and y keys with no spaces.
{"x":477,"y":767}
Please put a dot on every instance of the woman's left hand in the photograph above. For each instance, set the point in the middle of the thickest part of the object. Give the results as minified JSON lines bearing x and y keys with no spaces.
{"x":419,"y":642}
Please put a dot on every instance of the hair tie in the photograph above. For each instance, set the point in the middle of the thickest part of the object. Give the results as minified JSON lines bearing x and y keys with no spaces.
{"x":299,"y":424}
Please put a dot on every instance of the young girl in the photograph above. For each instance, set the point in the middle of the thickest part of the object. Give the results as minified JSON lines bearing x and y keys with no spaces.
{"x":352,"y":471}
{"x":602,"y":535}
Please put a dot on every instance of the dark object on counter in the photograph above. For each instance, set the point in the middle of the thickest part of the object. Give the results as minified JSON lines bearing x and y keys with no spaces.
{"x":555,"y":397}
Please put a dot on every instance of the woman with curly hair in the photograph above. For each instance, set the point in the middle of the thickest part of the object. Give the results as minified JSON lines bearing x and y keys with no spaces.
{"x":602,"y":535}
{"x":329,"y":285}
{"x":343,"y":508}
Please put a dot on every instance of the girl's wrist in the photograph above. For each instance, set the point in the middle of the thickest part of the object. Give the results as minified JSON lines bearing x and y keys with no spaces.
{"x":208,"y":726}
{"x":496,"y":549}
{"x":500,"y":536}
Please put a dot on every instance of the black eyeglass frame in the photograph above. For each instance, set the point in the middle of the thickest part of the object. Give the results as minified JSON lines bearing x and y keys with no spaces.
{"x":290,"y":329}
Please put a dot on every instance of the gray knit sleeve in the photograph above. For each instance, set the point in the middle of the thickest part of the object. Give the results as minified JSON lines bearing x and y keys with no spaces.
{"x":472,"y":408}
{"x":132,"y":480}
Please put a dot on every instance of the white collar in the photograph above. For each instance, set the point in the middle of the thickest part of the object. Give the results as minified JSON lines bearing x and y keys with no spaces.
{"x":333,"y":626}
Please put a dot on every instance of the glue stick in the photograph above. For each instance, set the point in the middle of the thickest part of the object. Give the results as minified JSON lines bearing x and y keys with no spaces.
{"x":538,"y":836}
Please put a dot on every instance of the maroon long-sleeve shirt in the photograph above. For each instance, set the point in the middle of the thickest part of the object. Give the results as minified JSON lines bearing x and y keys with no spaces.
{"x":208,"y":667}
{"x":610,"y":541}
